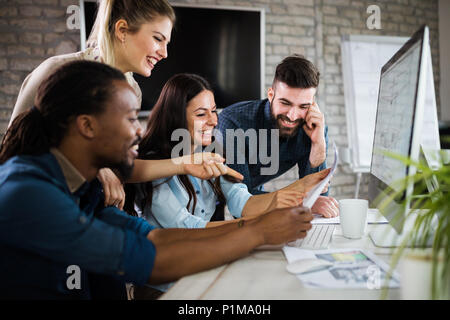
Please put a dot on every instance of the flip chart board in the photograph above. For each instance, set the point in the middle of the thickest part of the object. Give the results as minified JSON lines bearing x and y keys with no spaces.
{"x":362,"y":59}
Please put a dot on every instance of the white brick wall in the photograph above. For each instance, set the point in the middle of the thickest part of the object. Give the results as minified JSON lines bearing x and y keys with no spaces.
{"x":30,"y":31}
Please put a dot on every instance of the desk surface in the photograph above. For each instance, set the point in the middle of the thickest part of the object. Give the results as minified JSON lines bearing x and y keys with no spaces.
{"x":262,"y":275}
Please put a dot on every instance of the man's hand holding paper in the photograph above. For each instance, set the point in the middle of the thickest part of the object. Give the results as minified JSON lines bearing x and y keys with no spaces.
{"x":325,"y":206}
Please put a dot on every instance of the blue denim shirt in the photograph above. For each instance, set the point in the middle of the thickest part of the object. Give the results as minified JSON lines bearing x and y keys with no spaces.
{"x":44,"y":229}
{"x":256,"y":115}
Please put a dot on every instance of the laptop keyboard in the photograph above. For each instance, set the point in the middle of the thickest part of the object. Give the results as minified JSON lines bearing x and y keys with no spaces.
{"x":319,"y":237}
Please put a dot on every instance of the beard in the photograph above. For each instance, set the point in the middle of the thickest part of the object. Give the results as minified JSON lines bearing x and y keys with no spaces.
{"x":124,"y":170}
{"x":124,"y":167}
{"x":286,"y":132}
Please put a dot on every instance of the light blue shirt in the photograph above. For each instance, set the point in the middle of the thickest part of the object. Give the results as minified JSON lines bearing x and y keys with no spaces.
{"x":170,"y":198}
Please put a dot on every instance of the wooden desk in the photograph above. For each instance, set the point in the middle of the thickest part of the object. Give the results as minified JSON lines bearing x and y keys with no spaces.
{"x":262,"y":275}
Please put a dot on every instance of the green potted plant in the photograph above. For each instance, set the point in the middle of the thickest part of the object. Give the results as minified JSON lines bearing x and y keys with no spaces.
{"x":432,"y":224}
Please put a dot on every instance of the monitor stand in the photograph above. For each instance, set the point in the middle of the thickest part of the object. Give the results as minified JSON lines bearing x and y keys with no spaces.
{"x":385,"y":236}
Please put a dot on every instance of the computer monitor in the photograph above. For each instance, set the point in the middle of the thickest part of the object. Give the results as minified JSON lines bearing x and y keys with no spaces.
{"x":398,"y":129}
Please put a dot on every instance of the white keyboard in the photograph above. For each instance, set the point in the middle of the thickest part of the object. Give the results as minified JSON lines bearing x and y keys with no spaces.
{"x":319,"y":237}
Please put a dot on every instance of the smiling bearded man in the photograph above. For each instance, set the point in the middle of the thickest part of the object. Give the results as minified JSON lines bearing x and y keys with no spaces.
{"x":291,"y":108}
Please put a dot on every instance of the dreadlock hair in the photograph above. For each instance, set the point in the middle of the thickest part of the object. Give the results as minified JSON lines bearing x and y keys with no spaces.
{"x":80,"y":87}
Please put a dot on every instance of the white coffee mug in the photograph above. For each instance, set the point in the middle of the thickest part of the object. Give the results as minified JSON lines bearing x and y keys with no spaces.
{"x":353,"y":217}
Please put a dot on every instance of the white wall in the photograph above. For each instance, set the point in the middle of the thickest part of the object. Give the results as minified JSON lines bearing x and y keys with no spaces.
{"x":444,"y":50}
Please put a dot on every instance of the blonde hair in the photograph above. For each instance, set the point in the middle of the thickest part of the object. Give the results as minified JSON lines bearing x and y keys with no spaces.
{"x":134,"y":12}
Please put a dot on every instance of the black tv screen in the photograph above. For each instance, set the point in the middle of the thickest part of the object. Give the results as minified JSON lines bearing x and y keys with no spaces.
{"x":223,"y":45}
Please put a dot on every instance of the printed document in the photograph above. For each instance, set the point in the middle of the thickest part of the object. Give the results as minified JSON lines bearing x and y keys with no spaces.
{"x":352,"y":269}
{"x":315,"y":192}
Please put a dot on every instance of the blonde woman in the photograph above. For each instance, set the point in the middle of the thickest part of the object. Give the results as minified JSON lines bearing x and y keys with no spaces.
{"x":132,"y":36}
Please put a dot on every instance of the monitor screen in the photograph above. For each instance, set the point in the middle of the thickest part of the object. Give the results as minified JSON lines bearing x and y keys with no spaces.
{"x":224,"y":45}
{"x":395,"y":116}
{"x":397,"y":130}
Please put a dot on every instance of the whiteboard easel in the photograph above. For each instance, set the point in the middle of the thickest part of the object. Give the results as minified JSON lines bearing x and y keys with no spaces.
{"x":362,"y":59}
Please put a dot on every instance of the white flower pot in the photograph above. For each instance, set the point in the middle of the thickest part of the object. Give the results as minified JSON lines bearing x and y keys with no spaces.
{"x":416,"y":275}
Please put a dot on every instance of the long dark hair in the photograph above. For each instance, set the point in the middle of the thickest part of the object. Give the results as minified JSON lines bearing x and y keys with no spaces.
{"x":169,"y":114}
{"x":81,"y":87}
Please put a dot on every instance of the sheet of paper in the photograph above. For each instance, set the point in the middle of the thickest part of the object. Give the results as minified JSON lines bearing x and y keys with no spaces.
{"x":315,"y":192}
{"x":373,"y":217}
{"x":352,"y":269}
